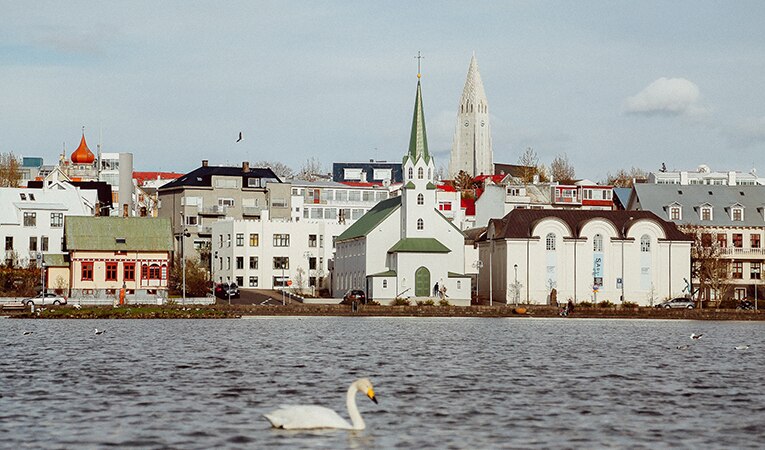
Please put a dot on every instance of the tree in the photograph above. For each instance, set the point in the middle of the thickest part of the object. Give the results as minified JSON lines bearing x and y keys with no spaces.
{"x":561,"y":169}
{"x":530,"y":162}
{"x":707,"y":268}
{"x":625,"y":178}
{"x":280,"y":169}
{"x":197,"y":284}
{"x":310,"y":170}
{"x":463,"y":181}
{"x":10,"y":170}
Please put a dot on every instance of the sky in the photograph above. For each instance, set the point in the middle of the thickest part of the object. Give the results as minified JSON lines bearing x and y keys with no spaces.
{"x":610,"y":84}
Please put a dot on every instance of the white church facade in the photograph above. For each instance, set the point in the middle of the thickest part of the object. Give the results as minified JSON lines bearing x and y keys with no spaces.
{"x":404,"y":246}
{"x":471,"y":148}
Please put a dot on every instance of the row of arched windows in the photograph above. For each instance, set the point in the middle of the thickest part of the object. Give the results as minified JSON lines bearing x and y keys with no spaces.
{"x":420,"y":173}
{"x":469,"y":108}
{"x":597,"y":243}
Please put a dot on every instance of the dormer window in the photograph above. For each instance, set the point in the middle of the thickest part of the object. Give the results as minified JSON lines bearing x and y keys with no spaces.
{"x":737,"y":213}
{"x":675,"y":213}
{"x":23,"y":195}
{"x":706,"y":212}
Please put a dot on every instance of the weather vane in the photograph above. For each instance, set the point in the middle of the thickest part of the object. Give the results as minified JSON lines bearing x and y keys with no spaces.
{"x":418,"y":58}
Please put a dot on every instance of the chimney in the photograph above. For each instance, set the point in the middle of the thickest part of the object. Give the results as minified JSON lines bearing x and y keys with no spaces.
{"x":204,"y":163}
{"x":245,"y":166}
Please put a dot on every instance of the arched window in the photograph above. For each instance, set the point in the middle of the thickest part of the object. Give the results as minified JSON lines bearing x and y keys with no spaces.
{"x":550,"y":241}
{"x":597,"y":243}
{"x":645,"y":243}
{"x":420,"y":224}
{"x":411,"y":173}
{"x":420,"y":199}
{"x":420,"y":173}
{"x":430,"y":174}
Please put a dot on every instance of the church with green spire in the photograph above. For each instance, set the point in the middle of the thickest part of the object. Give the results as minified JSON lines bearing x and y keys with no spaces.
{"x":404,"y":247}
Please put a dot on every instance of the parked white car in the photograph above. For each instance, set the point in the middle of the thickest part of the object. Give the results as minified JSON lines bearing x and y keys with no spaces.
{"x":48,"y":299}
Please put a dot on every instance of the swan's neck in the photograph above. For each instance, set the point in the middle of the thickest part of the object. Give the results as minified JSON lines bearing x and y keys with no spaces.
{"x":353,"y":411}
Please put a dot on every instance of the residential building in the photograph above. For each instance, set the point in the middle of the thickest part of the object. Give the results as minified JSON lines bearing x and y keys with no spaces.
{"x":376,"y":172}
{"x":106,"y":254}
{"x":32,"y":220}
{"x":207,"y":194}
{"x":471,"y":149}
{"x":544,"y":256}
{"x":404,"y":246}
{"x":729,"y":217}
{"x":706,"y":176}
{"x":332,"y":201}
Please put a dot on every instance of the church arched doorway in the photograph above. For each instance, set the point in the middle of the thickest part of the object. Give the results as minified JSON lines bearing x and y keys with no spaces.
{"x":422,"y":282}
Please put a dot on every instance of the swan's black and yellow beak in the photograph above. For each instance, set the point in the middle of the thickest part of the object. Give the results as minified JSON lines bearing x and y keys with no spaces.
{"x":371,"y":395}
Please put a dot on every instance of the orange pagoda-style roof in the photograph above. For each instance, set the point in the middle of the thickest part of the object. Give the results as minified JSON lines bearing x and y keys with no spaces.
{"x":83,"y":155}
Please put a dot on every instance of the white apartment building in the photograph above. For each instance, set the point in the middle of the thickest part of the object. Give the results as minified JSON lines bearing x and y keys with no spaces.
{"x":32,"y":220}
{"x":706,"y":176}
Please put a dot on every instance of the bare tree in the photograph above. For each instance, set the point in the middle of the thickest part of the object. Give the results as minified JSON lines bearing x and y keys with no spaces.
{"x":625,"y":178}
{"x":280,"y":169}
{"x":530,"y":162}
{"x":562,"y":170}
{"x":310,"y":170}
{"x":706,"y":268}
{"x":10,"y":170}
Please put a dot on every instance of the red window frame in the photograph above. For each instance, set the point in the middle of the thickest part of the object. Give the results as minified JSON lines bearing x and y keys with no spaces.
{"x":128,"y":271}
{"x":111,"y":271}
{"x":86,"y":271}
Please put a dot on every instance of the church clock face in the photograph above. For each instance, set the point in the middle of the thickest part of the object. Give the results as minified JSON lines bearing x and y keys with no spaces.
{"x":467,"y":123}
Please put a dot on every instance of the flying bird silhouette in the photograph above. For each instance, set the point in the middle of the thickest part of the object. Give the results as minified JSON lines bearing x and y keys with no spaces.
{"x":696,"y":336}
{"x":240,"y":137}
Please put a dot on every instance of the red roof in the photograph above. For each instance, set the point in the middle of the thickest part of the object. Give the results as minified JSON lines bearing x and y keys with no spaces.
{"x":361,"y":183}
{"x":494,"y":178}
{"x":142,"y":177}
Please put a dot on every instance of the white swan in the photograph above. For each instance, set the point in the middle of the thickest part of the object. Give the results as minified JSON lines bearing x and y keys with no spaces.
{"x":312,"y":416}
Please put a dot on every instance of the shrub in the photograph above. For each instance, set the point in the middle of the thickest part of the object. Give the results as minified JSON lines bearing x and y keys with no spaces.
{"x":443,"y":302}
{"x":428,"y":302}
{"x":629,"y":305}
{"x":606,"y":304}
{"x":398,"y":301}
{"x":585,"y":305}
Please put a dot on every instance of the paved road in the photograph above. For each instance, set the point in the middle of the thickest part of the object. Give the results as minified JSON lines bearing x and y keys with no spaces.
{"x":256,"y":297}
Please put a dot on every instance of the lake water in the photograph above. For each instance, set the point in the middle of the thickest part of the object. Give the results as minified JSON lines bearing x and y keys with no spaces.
{"x":441,"y":383}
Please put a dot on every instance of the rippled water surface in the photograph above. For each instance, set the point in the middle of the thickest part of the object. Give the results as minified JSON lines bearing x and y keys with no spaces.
{"x":441,"y":383}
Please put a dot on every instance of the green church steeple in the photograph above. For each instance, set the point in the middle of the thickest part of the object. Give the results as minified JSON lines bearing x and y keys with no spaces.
{"x":418,"y":142}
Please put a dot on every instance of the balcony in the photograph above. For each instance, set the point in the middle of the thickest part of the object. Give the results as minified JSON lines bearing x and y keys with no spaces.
{"x":252,"y":211}
{"x":204,"y":231}
{"x":738,"y":252}
{"x":215,"y":210}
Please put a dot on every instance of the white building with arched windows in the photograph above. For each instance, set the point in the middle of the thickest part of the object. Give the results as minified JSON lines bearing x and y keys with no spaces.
{"x":585,"y":256}
{"x":403,"y":246}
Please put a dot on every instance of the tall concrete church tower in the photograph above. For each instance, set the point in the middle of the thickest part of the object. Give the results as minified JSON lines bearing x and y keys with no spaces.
{"x":471,"y":149}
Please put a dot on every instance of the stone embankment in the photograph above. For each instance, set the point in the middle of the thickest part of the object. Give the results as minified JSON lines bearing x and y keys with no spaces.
{"x":236,"y":311}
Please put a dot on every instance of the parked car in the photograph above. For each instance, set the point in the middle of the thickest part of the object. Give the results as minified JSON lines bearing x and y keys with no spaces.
{"x":679,"y":302}
{"x":354,"y":295}
{"x":225,"y":290}
{"x":48,"y":299}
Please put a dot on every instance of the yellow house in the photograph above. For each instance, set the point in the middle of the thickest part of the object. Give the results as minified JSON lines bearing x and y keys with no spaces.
{"x":109,"y":253}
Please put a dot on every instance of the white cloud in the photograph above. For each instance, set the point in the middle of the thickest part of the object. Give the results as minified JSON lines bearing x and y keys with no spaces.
{"x":667,"y":96}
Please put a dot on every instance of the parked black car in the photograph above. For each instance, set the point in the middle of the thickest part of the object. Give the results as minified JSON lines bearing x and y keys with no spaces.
{"x":225,"y":290}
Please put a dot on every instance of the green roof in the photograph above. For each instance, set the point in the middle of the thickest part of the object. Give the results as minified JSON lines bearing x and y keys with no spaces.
{"x":430,"y":185}
{"x":56,"y":260}
{"x":371,"y":219}
{"x":118,"y":233}
{"x":457,"y":275}
{"x":387,"y":273}
{"x":409,"y":185}
{"x":418,"y":142}
{"x":419,"y":245}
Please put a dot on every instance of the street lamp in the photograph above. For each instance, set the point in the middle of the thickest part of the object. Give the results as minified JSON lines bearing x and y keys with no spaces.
{"x":477,"y":264}
{"x":228,"y":290}
{"x":517,"y":289}
{"x":185,"y":234}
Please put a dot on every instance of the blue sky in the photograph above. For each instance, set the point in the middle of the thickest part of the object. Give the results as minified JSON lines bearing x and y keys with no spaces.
{"x":612,"y":84}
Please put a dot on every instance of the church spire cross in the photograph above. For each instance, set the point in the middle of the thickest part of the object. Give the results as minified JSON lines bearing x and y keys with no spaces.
{"x":419,"y":58}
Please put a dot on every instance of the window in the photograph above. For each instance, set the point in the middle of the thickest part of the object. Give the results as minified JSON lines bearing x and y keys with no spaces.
{"x":86,"y":271}
{"x":228,"y":240}
{"x":420,"y":199}
{"x":253,"y":281}
{"x":550,"y":241}
{"x":281,"y":262}
{"x":444,"y":206}
{"x":722,"y":240}
{"x":9,"y":242}
{"x":240,"y":262}
{"x":312,"y":263}
{"x":420,"y":173}
{"x":240,"y":239}
{"x":411,"y":173}
{"x":312,"y":240}
{"x":420,"y":224}
{"x":321,"y":241}
{"x":226,"y":183}
{"x":220,"y":240}
{"x":111,"y":271}
{"x":645,"y":244}
{"x":254,"y":262}
{"x":385,"y":284}
{"x":254,"y":182}
{"x":240,"y":281}
{"x":228,"y":263}
{"x":738,"y":214}
{"x":23,"y":195}
{"x":192,"y":221}
{"x":279,"y":202}
{"x":755,"y":270}
{"x":706,"y":213}
{"x":30,"y":219}
{"x":44,"y":244}
{"x":253,"y":239}
{"x":597,"y":243}
{"x":755,"y":241}
{"x":674,"y":213}
{"x":33,"y":244}
{"x":281,"y":240}
{"x":737,"y":269}
{"x":151,"y":272}
{"x":128,"y":271}
{"x":738,"y":240}
{"x":226,"y":202}
{"x":56,"y":220}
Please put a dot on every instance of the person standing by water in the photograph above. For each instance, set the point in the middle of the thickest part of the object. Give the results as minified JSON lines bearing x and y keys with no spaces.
{"x":569,"y":307}
{"x":435,"y":289}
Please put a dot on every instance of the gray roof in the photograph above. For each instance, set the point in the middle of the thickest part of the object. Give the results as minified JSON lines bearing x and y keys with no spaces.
{"x":658,"y":197}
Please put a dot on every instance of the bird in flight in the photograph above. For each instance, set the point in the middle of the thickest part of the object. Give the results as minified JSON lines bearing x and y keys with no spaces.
{"x":696,"y":336}
{"x":27,"y":333}
{"x":97,"y":331}
{"x":240,"y":137}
